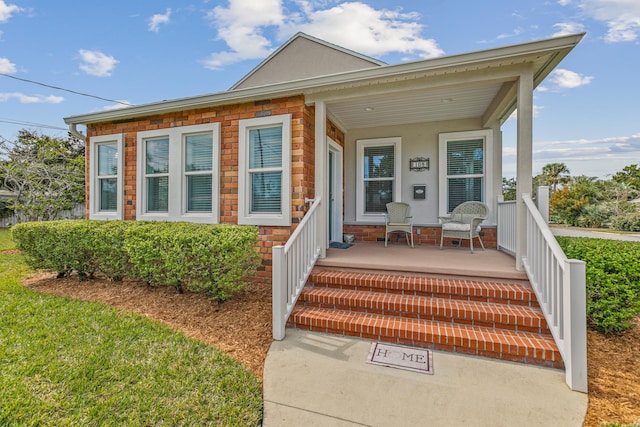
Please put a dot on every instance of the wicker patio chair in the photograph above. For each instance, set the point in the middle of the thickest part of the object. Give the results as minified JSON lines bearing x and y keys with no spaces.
{"x":397,"y":219}
{"x":464,"y":222}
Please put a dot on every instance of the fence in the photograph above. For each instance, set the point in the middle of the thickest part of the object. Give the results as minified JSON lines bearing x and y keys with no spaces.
{"x":76,"y":213}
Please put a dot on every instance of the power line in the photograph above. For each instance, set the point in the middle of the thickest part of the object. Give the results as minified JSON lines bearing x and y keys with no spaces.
{"x":65,"y":90}
{"x":33,"y":124}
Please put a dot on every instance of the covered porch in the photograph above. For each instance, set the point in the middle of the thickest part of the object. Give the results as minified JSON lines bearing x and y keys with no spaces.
{"x":445,"y":115}
{"x":399,"y":258}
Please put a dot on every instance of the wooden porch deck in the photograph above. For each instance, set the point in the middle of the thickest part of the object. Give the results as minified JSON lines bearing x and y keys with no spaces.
{"x":424,"y":259}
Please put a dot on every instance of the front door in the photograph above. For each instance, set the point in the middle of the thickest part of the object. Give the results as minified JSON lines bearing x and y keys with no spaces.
{"x":335,"y":191}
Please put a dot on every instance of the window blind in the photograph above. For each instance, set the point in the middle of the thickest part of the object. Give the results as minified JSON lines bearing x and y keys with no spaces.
{"x":157,"y":155}
{"x":108,"y":194}
{"x":465,"y":172}
{"x":265,"y":169}
{"x":107,"y":159}
{"x":199,"y":152}
{"x":465,"y":157}
{"x":379,"y":176}
{"x":157,"y":163}
{"x":379,"y":162}
{"x":198,"y":166}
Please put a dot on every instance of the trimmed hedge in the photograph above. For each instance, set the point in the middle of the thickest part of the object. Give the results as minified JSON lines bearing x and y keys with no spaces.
{"x":613,"y":280}
{"x":215,"y":259}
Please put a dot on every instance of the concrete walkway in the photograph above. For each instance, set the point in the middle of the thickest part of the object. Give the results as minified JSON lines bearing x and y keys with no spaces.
{"x":559,"y":230}
{"x":313,"y":379}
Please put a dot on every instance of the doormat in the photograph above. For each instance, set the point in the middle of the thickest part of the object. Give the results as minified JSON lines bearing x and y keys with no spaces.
{"x":401,"y":357}
{"x":339,"y":245}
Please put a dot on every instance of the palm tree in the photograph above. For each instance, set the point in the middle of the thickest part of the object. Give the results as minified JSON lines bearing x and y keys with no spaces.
{"x":554,"y":174}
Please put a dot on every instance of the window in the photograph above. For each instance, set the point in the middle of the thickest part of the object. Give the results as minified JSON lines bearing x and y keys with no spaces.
{"x":264,"y":193}
{"x":178,"y":174}
{"x":156,"y":155}
{"x":105,"y":190}
{"x":464,"y":168}
{"x":378,"y":172}
{"x":198,"y":168}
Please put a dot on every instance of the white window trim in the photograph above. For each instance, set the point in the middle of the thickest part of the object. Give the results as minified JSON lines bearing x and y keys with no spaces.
{"x":443,"y":139}
{"x":245,"y":216}
{"x":177,"y":179}
{"x":94,"y":196}
{"x":361,"y":144}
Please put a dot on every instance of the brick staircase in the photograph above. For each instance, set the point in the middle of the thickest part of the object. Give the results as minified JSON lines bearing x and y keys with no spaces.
{"x":487,"y":318}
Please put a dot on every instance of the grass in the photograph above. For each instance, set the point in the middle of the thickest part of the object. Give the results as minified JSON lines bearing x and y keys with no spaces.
{"x":65,"y":362}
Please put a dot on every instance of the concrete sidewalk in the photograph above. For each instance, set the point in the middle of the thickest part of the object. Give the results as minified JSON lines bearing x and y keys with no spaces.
{"x":314,"y":379}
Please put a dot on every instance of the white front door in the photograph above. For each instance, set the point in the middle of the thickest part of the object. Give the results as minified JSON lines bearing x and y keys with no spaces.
{"x":334,"y":174}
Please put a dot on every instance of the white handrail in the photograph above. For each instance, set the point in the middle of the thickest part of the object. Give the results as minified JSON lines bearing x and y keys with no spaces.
{"x":292,"y":264}
{"x":560,"y":287}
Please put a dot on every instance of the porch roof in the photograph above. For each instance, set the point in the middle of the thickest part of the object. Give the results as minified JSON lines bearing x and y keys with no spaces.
{"x":475,"y":84}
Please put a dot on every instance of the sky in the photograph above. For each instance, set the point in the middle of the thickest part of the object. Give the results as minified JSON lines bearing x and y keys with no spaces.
{"x":69,"y":57}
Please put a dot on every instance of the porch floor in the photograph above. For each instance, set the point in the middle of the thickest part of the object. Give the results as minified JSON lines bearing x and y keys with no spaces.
{"x":424,"y":259}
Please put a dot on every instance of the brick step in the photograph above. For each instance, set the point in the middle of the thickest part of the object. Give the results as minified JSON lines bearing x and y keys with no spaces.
{"x":436,"y":287}
{"x":524,"y":347}
{"x":500,"y":316}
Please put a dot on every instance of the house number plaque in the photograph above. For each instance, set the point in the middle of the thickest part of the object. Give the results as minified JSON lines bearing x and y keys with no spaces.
{"x":419,"y":164}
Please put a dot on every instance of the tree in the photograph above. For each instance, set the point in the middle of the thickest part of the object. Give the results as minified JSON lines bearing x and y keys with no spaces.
{"x":46,"y":174}
{"x":629,"y":175}
{"x":554,"y":174}
{"x":509,"y":188}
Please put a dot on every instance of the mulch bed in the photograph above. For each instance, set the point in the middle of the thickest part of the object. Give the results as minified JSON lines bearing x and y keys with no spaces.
{"x":614,"y":377}
{"x":241,"y":327}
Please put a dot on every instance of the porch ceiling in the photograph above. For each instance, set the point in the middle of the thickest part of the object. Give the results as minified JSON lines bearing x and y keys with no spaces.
{"x":415,"y":106}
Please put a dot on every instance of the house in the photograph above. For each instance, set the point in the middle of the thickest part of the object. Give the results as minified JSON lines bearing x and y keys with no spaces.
{"x":316,"y":130}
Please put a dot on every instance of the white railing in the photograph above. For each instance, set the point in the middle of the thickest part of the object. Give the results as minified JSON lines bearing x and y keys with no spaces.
{"x":292,"y":264}
{"x":559,"y":285}
{"x":506,"y":231}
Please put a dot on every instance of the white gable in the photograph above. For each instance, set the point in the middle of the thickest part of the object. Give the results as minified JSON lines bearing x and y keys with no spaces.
{"x":302,"y":57}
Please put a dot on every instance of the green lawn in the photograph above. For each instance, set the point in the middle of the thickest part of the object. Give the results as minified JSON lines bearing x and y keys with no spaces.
{"x":65,"y":362}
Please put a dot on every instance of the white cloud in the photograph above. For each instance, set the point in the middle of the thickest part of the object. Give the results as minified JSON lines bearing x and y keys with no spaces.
{"x":31,"y":99}
{"x":622,"y":17}
{"x":564,"y":2}
{"x":159,"y":18}
{"x":599,"y":157}
{"x":566,"y":79}
{"x":7,"y":66}
{"x":354,"y":25}
{"x":566,"y":28}
{"x":589,"y":149}
{"x":97,"y":63}
{"x":6,"y":10}
{"x":241,"y":26}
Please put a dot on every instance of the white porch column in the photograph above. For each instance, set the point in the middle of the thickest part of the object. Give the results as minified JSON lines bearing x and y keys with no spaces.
{"x":321,"y":175}
{"x":524,"y":169}
{"x":497,"y":170}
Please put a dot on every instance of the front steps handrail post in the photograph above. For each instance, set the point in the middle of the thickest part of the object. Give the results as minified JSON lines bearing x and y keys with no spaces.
{"x":291,"y":266}
{"x":560,"y":287}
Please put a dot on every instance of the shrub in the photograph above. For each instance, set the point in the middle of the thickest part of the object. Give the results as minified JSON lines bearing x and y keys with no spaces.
{"x":62,"y":246}
{"x":111,"y":257}
{"x":627,"y":222}
{"x":204,"y":258}
{"x":595,"y":216}
{"x":613,"y":280}
{"x":215,"y":259}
